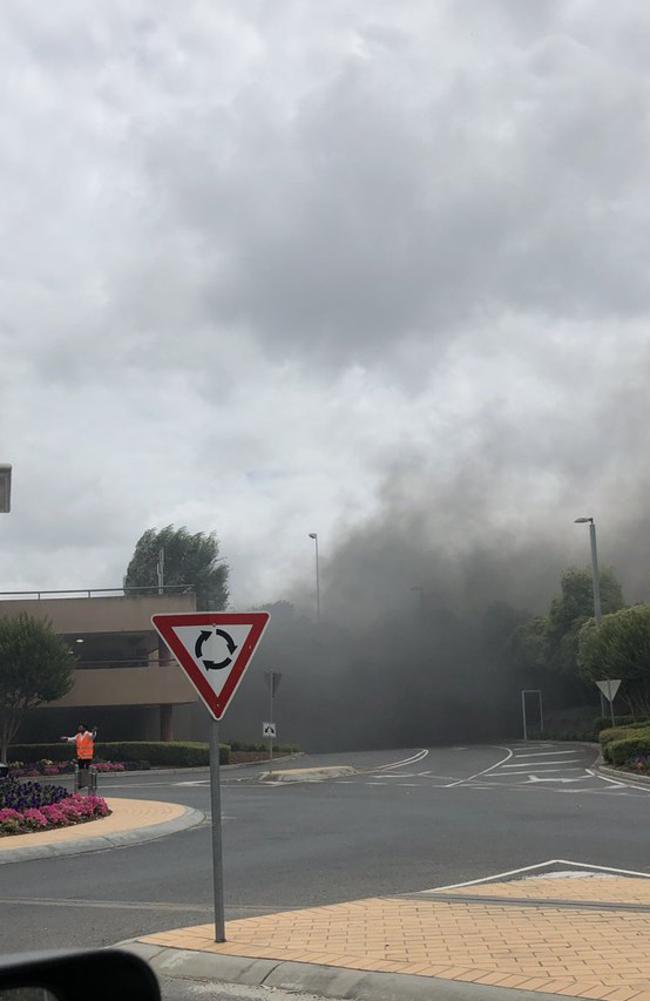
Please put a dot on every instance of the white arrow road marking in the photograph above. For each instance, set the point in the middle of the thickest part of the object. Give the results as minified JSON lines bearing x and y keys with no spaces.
{"x":535,"y":778}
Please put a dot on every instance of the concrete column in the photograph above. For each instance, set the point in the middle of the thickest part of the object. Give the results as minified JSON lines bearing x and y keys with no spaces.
{"x":166,"y":722}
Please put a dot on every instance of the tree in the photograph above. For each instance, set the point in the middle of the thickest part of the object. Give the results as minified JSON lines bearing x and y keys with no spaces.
{"x":189,"y":559}
{"x":571,"y":609}
{"x":620,"y":648}
{"x":35,"y":666}
{"x":526,"y":649}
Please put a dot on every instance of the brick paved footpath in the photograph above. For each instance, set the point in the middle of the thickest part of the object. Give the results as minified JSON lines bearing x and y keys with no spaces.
{"x":581,"y":937}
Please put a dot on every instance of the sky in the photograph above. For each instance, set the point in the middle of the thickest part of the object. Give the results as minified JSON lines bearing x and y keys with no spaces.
{"x":373,"y":270}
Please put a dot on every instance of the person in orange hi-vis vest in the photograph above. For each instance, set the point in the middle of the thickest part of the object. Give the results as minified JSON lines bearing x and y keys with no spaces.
{"x":84,"y":739}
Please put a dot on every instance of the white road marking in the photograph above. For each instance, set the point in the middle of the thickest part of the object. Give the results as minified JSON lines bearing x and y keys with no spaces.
{"x":485,"y":770}
{"x":406,"y":761}
{"x":535,"y":778}
{"x":539,"y":865}
{"x":496,"y":876}
{"x":542,"y":754}
{"x":544,"y":764}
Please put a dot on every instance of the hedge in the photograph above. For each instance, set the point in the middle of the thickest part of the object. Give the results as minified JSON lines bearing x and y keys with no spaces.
{"x":182,"y":754}
{"x":240,"y":745}
{"x":621,"y":732}
{"x":621,"y":722}
{"x":624,"y":750}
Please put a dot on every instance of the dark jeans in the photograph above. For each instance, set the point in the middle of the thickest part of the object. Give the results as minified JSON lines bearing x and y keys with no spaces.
{"x":84,"y":762}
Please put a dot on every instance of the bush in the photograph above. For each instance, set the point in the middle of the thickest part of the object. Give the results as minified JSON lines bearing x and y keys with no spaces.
{"x":625,"y":750}
{"x":240,"y":745}
{"x":173,"y":753}
{"x":605,"y":722}
{"x":614,"y":733}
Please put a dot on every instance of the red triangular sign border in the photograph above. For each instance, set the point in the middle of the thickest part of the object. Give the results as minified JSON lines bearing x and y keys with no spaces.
{"x":165,"y":623}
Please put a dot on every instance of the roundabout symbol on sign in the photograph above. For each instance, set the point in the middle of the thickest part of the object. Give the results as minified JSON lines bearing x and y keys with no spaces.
{"x":214,"y":665}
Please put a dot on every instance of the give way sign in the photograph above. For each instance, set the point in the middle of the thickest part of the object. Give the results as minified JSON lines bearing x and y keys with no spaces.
{"x":213,"y":648}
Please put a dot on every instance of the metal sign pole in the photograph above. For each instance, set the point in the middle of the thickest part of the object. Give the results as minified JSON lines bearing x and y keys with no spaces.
{"x":611,"y":702}
{"x":541,"y":714}
{"x":217,"y":851}
{"x":271,"y":716}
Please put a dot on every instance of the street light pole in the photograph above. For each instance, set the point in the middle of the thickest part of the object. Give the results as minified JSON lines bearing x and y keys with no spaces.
{"x":314,"y":536}
{"x":5,"y":488}
{"x":595,"y":577}
{"x":598,"y":611}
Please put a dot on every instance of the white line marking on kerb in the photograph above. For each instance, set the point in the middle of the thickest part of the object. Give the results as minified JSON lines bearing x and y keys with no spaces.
{"x":490,"y":879}
{"x":539,"y":865}
{"x":485,"y":770}
{"x":406,"y":761}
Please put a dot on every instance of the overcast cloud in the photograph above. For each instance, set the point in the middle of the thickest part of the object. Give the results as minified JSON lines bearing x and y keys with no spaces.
{"x":369,"y":269}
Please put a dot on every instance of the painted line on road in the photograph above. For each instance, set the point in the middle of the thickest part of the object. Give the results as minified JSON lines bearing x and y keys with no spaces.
{"x":536,"y":866}
{"x":485,"y":770}
{"x":543,"y":754}
{"x":496,"y":876}
{"x":144,"y":905}
{"x":545,"y":764}
{"x":406,"y":761}
{"x":129,"y":905}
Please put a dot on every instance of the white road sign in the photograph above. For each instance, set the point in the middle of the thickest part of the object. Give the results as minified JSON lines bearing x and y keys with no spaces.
{"x":269,"y":730}
{"x":609,"y":688}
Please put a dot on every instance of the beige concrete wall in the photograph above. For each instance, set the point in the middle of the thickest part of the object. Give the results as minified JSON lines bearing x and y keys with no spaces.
{"x":128,"y":686}
{"x":100,"y":615}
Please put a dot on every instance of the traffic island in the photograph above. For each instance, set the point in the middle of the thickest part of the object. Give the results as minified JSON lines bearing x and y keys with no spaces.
{"x":308,"y":774}
{"x":585,"y":937}
{"x":131,"y":821}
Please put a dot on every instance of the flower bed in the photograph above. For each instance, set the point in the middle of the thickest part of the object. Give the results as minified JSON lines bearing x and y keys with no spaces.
{"x":30,"y":806}
{"x":20,"y":769}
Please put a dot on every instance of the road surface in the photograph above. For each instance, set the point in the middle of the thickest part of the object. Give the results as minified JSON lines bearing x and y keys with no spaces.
{"x":408,"y":820}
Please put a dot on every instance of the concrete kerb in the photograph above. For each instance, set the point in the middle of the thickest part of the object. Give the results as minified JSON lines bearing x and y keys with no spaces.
{"x":308,"y":774}
{"x":628,"y":777}
{"x":190,"y":818}
{"x":310,"y":978}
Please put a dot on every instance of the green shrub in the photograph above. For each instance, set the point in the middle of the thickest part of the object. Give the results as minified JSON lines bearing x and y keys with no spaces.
{"x":621,"y":752}
{"x":240,"y":745}
{"x":173,"y":753}
{"x":619,"y":733}
{"x":605,"y":722}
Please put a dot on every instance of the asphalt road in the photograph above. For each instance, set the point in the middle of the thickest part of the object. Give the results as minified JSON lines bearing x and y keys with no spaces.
{"x":408,"y":820}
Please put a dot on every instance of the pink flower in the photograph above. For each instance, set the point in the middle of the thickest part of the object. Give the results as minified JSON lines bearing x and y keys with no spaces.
{"x":35,"y":818}
{"x":8,"y":814}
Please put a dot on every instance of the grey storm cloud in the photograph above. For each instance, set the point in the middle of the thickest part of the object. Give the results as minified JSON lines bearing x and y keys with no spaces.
{"x":376,"y":269}
{"x":398,"y":198}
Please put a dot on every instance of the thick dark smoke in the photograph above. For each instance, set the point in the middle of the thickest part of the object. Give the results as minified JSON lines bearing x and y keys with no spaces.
{"x":418,"y":602}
